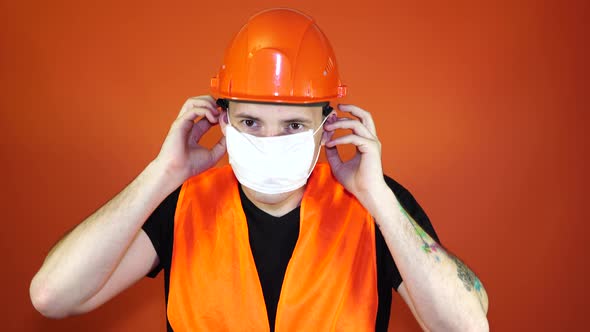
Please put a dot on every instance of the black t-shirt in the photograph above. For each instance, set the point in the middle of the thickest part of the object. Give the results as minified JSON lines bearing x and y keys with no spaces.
{"x":272,"y":241}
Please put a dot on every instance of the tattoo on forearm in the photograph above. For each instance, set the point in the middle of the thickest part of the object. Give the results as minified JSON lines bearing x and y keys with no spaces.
{"x":428,"y":245}
{"x":470,"y":281}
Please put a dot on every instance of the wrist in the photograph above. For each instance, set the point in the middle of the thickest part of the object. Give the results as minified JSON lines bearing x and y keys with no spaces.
{"x":164,"y":176}
{"x":378,"y":199}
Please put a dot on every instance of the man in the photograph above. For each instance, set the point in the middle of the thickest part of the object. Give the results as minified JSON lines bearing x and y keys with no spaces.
{"x":274,"y":242}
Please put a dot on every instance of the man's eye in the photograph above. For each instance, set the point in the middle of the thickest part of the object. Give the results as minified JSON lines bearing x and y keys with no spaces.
{"x":295,"y":126}
{"x":248,"y":123}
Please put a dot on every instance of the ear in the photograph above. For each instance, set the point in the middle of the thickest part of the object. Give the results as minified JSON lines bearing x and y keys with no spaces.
{"x":223,"y":121}
{"x":332,"y":113}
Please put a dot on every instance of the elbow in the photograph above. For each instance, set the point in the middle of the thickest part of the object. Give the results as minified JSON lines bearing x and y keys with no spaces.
{"x":477,"y":324}
{"x":478,"y":320}
{"x":45,"y":302}
{"x":474,"y":325}
{"x":481,"y":326}
{"x":474,"y":322}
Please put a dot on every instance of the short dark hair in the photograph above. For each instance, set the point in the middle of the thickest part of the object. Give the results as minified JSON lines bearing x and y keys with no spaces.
{"x":326,"y":108}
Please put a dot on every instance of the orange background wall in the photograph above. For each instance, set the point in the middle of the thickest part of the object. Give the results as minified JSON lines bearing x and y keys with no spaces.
{"x":481,"y":108}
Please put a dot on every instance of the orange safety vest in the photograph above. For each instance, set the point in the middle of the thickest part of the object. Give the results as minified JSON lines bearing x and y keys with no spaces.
{"x":331,"y":280}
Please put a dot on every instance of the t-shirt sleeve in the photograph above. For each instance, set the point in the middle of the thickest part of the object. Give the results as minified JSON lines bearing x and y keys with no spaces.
{"x":159,"y":227}
{"x":414,"y":209}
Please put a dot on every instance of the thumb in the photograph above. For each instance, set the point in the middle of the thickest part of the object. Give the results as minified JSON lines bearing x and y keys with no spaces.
{"x":333,"y":157}
{"x":199,"y":128}
{"x":218,"y":150}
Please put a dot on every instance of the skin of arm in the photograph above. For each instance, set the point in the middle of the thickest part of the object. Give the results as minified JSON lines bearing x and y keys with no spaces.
{"x":442,"y":292}
{"x":108,"y":251}
{"x":82,"y":262}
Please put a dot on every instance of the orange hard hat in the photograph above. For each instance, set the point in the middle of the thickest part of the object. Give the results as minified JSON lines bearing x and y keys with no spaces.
{"x":279,"y":56}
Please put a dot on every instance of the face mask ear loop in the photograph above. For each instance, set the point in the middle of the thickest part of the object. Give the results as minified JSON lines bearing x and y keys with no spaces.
{"x":321,"y":125}
{"x":314,"y":163}
{"x":228,"y":118}
{"x":318,"y":156}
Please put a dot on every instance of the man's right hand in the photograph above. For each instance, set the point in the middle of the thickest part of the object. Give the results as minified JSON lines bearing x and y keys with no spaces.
{"x":108,"y":252}
{"x":181,"y":155}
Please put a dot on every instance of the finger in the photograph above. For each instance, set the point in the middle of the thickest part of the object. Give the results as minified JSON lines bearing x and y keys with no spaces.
{"x":206,"y":102}
{"x":326,"y":136}
{"x":206,"y":98}
{"x":186,"y":123}
{"x":198,"y":130}
{"x":360,"y":113}
{"x":200,"y":103}
{"x":363,"y":144}
{"x":210,"y":98}
{"x":192,"y":114}
{"x":218,"y":150}
{"x":333,"y":157}
{"x":356,"y":126}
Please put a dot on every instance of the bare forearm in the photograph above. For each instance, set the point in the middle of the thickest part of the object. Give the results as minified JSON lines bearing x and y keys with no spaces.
{"x":79,"y":265}
{"x":445,"y":292}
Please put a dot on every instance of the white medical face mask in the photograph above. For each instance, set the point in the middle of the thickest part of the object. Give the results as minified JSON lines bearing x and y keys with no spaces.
{"x":271,"y":165}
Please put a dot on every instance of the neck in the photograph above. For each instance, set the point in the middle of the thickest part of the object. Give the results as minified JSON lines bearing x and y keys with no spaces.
{"x":276,"y":205}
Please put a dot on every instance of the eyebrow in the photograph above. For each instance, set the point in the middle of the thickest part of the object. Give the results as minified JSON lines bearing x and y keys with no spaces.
{"x":298,"y":120}
{"x":291,"y":120}
{"x":247,"y":116}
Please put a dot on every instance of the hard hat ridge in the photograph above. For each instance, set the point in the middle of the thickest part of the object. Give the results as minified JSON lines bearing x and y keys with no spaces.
{"x":280,"y":56}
